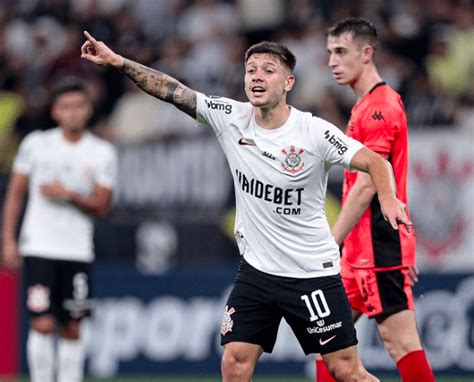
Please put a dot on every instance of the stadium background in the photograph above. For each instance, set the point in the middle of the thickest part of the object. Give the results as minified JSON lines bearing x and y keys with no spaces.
{"x":165,"y":254}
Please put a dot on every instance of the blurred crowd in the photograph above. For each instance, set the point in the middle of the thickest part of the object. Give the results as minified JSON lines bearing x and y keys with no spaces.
{"x":426,"y":53}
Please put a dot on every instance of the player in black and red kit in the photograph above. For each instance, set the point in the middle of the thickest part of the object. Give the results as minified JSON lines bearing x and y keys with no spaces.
{"x":378,"y":263}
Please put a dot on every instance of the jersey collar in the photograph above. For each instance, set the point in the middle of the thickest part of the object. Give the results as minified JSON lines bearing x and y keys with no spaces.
{"x":381,"y":83}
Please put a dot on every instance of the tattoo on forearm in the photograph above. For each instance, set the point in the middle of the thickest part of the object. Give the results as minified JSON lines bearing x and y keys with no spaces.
{"x":170,"y":92}
{"x":161,"y":86}
{"x":185,"y":100}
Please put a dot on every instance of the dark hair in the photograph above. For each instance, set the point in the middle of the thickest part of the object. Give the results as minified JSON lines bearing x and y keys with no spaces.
{"x":67,"y":85}
{"x":279,"y":50}
{"x":362,"y":30}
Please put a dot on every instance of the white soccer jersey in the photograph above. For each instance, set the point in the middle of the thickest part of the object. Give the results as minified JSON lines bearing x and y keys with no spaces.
{"x":56,"y":229}
{"x":280,"y":178}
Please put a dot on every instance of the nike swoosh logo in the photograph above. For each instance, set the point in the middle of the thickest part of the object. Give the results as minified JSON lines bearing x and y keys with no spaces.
{"x":324,"y":342}
{"x":246,"y":142}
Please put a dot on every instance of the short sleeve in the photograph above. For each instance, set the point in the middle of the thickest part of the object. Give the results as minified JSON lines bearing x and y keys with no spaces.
{"x":108,"y":168}
{"x":379,"y":126}
{"x":24,"y":159}
{"x":333,"y":145}
{"x":215,"y":112}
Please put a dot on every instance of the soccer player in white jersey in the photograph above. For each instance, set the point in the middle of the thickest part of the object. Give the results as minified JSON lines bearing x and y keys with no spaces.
{"x":69,"y":175}
{"x":279,"y":158}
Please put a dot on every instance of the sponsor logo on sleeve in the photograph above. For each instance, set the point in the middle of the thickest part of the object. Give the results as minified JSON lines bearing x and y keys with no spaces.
{"x":219,"y":105}
{"x":336,"y":142}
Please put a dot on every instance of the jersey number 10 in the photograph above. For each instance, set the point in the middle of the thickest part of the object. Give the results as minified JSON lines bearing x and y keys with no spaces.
{"x":319,"y":302}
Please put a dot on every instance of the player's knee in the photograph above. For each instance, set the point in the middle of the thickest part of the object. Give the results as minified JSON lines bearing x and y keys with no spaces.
{"x":347,"y":369}
{"x":71,"y":330}
{"x":230,"y":365}
{"x":337,"y":367}
{"x":392,"y":345}
{"x":398,"y":347}
{"x":399,"y":344}
{"x":234,"y":367}
{"x":43,"y":324}
{"x":347,"y":373}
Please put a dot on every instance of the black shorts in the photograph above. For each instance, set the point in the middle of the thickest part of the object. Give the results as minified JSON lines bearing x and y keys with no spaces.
{"x":58,"y":287}
{"x":316,"y":309}
{"x":377,"y":293}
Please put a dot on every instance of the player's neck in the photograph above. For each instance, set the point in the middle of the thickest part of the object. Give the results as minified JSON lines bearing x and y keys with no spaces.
{"x":272,"y":118}
{"x":72,"y":136}
{"x":366,"y":82}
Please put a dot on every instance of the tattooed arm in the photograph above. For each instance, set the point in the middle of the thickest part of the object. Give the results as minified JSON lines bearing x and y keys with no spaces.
{"x":161,"y":86}
{"x":154,"y":82}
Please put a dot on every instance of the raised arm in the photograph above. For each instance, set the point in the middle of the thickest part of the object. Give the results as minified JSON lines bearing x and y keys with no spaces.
{"x":153,"y":82}
{"x":381,"y":174}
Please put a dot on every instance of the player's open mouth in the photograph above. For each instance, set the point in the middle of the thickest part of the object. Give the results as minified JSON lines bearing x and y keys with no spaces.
{"x":258,"y":90}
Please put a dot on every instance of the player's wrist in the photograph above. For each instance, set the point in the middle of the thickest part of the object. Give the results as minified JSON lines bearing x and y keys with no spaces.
{"x":386,"y":197}
{"x":117,"y":61}
{"x":337,"y":237}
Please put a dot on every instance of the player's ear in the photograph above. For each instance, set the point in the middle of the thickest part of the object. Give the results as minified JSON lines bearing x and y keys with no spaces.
{"x":367,"y":54}
{"x":290,"y":81}
{"x":54,"y":111}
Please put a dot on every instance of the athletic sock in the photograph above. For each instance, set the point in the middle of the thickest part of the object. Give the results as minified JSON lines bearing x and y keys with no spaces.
{"x":40,"y":354}
{"x":322,"y":372}
{"x":70,"y":360}
{"x":414,"y":367}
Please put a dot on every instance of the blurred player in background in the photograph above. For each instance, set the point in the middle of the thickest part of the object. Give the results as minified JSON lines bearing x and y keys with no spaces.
{"x":279,"y":158}
{"x":378,"y":263}
{"x":69,"y":175}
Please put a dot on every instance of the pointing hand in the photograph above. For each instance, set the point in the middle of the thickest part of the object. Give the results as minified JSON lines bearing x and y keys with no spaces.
{"x":99,"y":53}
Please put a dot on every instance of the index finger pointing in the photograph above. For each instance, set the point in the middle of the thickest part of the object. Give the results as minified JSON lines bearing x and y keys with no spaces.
{"x":90,"y":38}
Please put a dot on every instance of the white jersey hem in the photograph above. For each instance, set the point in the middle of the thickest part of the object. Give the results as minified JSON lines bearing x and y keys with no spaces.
{"x":301,"y":275}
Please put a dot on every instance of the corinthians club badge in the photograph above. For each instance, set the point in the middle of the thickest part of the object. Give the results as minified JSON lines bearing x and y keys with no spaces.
{"x":227,"y":322}
{"x":292,"y":163}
